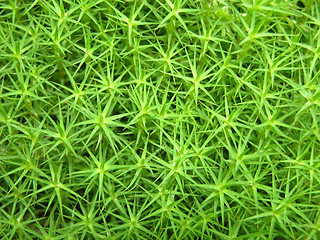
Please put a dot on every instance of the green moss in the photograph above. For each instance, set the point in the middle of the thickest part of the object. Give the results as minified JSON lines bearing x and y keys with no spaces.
{"x":159,"y":119}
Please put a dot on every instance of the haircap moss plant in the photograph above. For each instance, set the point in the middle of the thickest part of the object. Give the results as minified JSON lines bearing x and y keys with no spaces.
{"x":164,"y":119}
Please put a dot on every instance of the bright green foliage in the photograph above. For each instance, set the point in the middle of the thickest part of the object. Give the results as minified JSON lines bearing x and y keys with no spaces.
{"x":162,"y":119}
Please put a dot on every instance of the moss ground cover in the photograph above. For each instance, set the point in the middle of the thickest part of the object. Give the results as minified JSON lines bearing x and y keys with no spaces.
{"x":162,"y":119}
